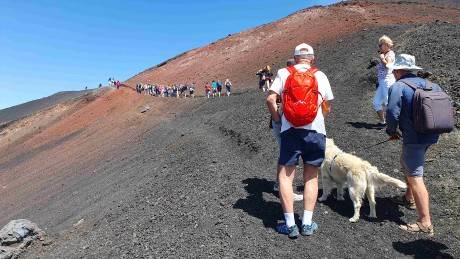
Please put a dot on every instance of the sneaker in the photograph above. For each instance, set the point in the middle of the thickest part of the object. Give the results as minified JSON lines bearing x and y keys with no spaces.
{"x":276,"y":187}
{"x":292,"y":232}
{"x":307,"y":230}
{"x":298,"y":197}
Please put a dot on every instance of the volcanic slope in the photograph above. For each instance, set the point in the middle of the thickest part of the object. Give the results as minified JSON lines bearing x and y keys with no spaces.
{"x":24,"y":110}
{"x":193,"y":177}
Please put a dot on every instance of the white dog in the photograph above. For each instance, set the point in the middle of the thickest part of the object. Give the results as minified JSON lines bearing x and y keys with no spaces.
{"x":362,"y":178}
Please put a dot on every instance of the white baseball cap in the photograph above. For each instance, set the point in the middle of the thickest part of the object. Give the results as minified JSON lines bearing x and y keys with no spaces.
{"x":303,"y":49}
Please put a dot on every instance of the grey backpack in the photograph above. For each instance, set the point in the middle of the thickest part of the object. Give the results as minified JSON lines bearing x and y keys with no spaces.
{"x":432,"y":110}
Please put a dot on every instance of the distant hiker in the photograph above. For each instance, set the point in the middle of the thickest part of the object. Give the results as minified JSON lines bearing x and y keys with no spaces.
{"x":118,"y":84}
{"x":385,"y":77}
{"x":192,"y":90}
{"x":219,"y":87}
{"x":110,"y":81}
{"x":177,"y":89}
{"x":184,"y":90}
{"x":150,"y":89}
{"x":161,"y":91}
{"x":268,"y":77}
{"x":214,"y":88}
{"x":228,"y":86}
{"x":100,"y":85}
{"x":207,"y":89}
{"x":261,"y":75}
{"x":86,"y":88}
{"x":265,"y":77}
{"x":307,"y":138}
{"x":415,"y":146}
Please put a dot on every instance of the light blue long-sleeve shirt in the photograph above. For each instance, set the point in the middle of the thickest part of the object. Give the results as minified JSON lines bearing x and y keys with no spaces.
{"x":399,"y":111}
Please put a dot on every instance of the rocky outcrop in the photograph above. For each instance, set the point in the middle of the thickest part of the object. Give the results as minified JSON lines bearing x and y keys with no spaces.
{"x":16,"y":236}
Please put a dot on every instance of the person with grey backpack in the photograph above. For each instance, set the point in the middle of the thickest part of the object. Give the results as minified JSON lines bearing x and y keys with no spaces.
{"x":422,"y":112}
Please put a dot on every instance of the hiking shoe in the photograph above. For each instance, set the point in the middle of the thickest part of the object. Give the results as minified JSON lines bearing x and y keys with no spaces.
{"x":307,"y":230}
{"x":292,"y":232}
{"x":379,"y":126}
{"x":401,"y":200}
{"x":276,"y":187}
{"x":298,"y":197}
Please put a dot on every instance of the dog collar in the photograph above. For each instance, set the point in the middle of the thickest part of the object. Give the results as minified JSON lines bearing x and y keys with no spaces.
{"x":332,"y":161}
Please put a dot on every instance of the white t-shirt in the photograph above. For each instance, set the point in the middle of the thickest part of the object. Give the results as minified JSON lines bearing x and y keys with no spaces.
{"x":324,"y":88}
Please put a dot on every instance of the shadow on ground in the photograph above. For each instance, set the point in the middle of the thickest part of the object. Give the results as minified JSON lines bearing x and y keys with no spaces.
{"x":422,"y":248}
{"x":255,"y":205}
{"x":386,"y":210}
{"x":364,"y":125}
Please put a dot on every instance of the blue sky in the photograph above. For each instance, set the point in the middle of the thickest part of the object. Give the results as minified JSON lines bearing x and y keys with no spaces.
{"x":48,"y":46}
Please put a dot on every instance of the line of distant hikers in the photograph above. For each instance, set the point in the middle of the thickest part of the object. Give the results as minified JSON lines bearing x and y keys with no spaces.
{"x":178,"y":90}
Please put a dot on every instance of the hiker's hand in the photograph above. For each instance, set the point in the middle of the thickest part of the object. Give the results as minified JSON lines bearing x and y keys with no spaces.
{"x":395,"y":136}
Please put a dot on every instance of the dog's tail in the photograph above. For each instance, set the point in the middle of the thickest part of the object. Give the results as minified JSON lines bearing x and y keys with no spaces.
{"x":383,"y":179}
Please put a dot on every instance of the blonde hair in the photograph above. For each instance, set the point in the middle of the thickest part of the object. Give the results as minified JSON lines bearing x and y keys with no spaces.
{"x":386,"y":40}
{"x":268,"y":68}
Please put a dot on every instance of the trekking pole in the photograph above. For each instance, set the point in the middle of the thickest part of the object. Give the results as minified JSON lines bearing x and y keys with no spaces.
{"x":389,"y":139}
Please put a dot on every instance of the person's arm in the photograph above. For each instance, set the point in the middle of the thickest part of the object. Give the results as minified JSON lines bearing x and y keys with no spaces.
{"x":326,"y":108}
{"x":393,"y":108}
{"x":390,"y":59}
{"x":272,"y":107}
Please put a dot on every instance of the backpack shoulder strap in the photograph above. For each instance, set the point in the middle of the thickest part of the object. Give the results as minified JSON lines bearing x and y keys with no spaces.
{"x":291,"y":69}
{"x":428,"y":85}
{"x":313,"y":70}
{"x":409,"y":83}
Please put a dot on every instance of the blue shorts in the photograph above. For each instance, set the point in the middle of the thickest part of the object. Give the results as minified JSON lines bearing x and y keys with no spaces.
{"x":301,"y":142}
{"x":413,"y":158}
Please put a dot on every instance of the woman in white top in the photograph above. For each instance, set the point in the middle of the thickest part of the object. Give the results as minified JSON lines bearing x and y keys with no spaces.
{"x":385,"y":77}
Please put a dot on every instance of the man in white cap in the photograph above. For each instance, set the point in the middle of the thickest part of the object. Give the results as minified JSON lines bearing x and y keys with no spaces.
{"x":307,"y":141}
{"x":399,"y":112}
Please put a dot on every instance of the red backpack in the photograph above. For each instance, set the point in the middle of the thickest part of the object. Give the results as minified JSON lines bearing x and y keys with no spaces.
{"x":300,"y":96}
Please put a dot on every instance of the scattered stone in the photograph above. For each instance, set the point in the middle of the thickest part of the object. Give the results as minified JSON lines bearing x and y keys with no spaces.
{"x":145,"y":109}
{"x":47,"y":243}
{"x":16,"y":236}
{"x":81,"y":221}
